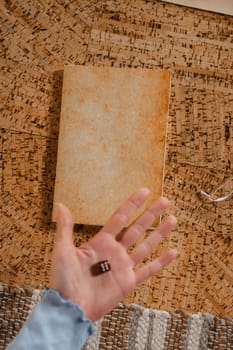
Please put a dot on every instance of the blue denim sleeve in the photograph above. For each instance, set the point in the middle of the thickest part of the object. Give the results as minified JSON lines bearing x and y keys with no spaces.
{"x":54,"y":323}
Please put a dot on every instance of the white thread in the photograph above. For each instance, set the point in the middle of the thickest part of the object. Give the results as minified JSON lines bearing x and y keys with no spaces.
{"x":142,"y":330}
{"x":159,"y":329}
{"x":210,"y":196}
{"x":194,"y":332}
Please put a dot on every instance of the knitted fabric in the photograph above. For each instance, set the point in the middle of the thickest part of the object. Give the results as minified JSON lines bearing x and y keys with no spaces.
{"x":127,"y":327}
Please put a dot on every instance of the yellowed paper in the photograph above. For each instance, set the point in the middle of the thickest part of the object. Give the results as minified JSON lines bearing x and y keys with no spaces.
{"x":111,"y":139}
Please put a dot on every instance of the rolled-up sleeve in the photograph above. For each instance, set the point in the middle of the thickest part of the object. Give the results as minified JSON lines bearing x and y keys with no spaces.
{"x":54,"y":323}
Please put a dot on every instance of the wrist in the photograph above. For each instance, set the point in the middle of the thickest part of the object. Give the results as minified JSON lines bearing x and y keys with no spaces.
{"x":71,"y":297}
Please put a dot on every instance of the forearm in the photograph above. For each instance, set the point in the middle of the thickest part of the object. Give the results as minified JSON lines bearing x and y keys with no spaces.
{"x":54,"y":323}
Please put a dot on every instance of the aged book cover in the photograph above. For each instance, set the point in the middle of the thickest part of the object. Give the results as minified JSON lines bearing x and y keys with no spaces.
{"x":111,"y":138}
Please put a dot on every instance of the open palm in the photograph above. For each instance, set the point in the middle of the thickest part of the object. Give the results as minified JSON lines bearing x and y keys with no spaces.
{"x":96,"y":294}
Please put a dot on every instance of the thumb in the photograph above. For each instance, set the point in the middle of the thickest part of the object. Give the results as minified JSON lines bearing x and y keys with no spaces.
{"x":64,"y":231}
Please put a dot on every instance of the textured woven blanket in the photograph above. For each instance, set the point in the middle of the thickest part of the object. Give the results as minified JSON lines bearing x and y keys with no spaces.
{"x":127,"y":327}
{"x":136,"y":328}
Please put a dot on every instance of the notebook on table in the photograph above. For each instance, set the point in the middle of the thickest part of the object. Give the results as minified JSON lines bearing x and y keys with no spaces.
{"x":111,"y":138}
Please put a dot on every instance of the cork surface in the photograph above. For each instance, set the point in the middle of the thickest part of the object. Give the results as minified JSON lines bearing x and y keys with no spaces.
{"x":111,"y":139}
{"x":39,"y":38}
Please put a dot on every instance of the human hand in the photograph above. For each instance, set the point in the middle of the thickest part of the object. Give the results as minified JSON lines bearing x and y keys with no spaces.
{"x":71,"y":266}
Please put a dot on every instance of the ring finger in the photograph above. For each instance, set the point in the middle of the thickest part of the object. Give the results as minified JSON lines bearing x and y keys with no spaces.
{"x":145,"y":248}
{"x":133,"y":233}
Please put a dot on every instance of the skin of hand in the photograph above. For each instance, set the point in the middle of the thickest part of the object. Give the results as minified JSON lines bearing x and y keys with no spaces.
{"x":71,"y":266}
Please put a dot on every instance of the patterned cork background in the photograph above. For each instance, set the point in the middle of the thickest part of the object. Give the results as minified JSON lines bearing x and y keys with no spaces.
{"x":37,"y":40}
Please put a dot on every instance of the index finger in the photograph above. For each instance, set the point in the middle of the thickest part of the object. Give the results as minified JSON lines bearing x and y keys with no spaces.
{"x":121,"y":216}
